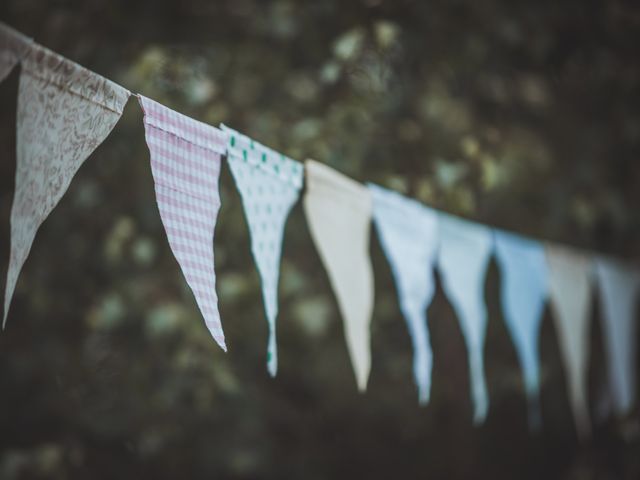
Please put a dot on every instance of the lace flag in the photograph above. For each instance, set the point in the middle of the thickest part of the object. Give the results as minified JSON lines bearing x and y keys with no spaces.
{"x":619,"y":286}
{"x":523,"y":293}
{"x":570,"y":286}
{"x":408,"y":233}
{"x":464,"y":253}
{"x":13,"y":48}
{"x":64,"y":112}
{"x":185,"y":163}
{"x":269,"y":184}
{"x":338,"y":212}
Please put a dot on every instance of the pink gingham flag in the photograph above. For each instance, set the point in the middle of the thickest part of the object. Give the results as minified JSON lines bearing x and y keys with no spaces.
{"x":185,"y":162}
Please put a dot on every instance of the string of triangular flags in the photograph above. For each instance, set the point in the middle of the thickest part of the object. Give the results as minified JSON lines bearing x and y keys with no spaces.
{"x":66,"y":111}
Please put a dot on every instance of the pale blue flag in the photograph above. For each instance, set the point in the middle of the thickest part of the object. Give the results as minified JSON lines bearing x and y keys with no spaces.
{"x":464,"y":253}
{"x":523,"y":293}
{"x":619,"y":286}
{"x":408,"y":233}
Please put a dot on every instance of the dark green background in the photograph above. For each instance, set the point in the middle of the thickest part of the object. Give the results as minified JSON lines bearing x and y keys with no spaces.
{"x":522,"y":115}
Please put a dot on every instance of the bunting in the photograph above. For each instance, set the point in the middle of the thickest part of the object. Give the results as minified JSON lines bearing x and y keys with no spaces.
{"x":523,"y":293}
{"x":269,"y":184}
{"x":408,"y":233}
{"x":465,"y":250}
{"x":619,"y":286}
{"x":338,"y":212}
{"x":185,"y":163}
{"x":64,"y":112}
{"x":570,"y":285}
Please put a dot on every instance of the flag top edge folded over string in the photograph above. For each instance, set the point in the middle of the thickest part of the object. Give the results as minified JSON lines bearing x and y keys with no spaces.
{"x":47,"y":65}
{"x":266,"y":159}
{"x":182,"y":126}
{"x":324,"y":177}
{"x":13,"y":48}
{"x":397,"y":200}
{"x":181,"y":150}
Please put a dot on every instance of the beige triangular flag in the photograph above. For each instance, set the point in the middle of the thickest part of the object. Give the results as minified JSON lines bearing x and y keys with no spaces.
{"x":619,"y":286}
{"x":64,"y":112}
{"x":339,"y":212}
{"x":570,"y":290}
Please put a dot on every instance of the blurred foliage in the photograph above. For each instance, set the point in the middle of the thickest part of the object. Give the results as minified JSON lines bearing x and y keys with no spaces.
{"x":522,"y":115}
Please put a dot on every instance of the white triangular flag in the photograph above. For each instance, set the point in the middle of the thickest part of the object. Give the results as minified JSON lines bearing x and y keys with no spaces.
{"x":570,"y":289}
{"x":269,"y":184}
{"x":619,"y":286}
{"x":185,"y":163}
{"x":523,"y":293}
{"x":64,"y":113}
{"x":13,"y":48}
{"x":338,"y":212}
{"x":408,"y":233}
{"x":464,"y":253}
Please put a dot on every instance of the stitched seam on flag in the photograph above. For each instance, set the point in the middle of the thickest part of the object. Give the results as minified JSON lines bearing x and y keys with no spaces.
{"x":258,"y":166}
{"x":169,"y":187}
{"x":164,"y":118}
{"x":194,"y":161}
{"x":149,"y":120}
{"x":68,"y":89}
{"x":254,"y":149}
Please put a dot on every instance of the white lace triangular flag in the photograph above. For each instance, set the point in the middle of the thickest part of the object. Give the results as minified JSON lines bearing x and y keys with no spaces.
{"x":464,"y":253}
{"x":338,"y":212}
{"x":408,"y":233}
{"x":523,"y":293}
{"x":185,"y":162}
{"x":269,"y":184}
{"x":64,"y":113}
{"x":13,"y":48}
{"x":570,"y":289}
{"x":619,"y":286}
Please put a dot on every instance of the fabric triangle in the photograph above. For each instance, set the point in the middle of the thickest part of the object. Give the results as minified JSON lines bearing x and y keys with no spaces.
{"x":619,"y":286}
{"x":13,"y":48}
{"x":338,"y":212}
{"x":64,"y":112}
{"x":185,"y":163}
{"x":269,"y":184}
{"x":523,"y":294}
{"x":570,"y":289}
{"x":464,"y":253}
{"x":408,"y":233}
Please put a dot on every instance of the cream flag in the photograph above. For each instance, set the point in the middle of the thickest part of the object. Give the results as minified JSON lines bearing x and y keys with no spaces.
{"x":13,"y":47}
{"x":339,"y":211}
{"x":619,"y":286}
{"x":463,"y":257}
{"x":64,"y":113}
{"x":570,"y":289}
